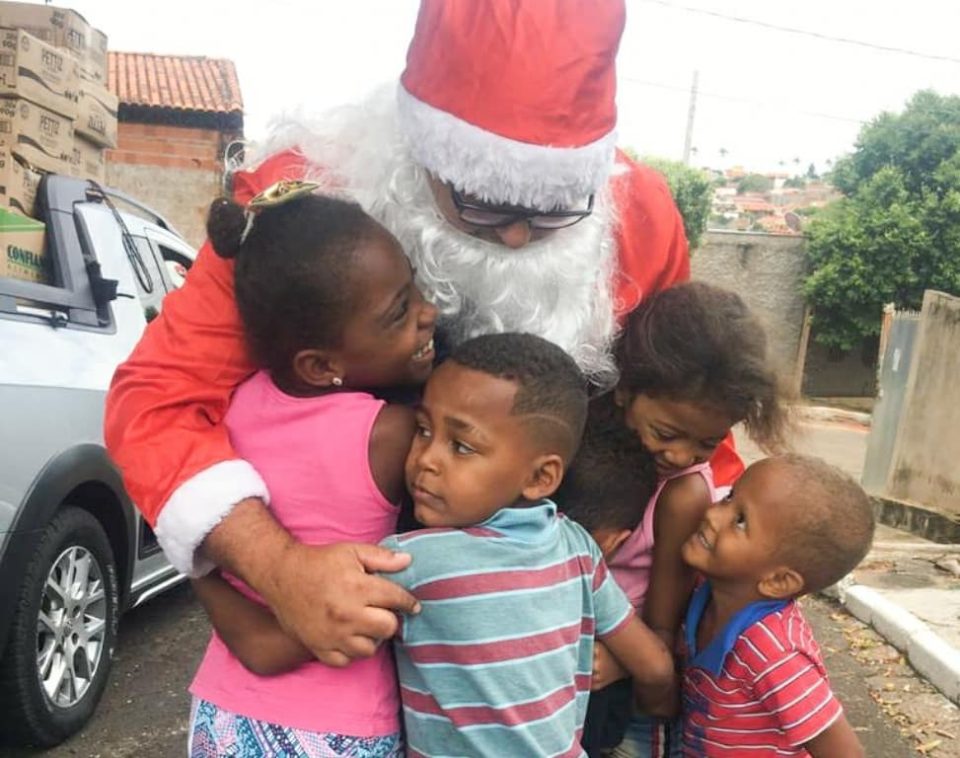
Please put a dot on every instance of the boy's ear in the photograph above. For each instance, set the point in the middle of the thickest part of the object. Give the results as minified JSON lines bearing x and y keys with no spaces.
{"x":317,"y":368}
{"x":781,"y":583}
{"x":545,"y":477}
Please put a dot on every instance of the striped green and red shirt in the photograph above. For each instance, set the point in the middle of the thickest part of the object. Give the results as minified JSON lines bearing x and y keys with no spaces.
{"x":498,"y":662}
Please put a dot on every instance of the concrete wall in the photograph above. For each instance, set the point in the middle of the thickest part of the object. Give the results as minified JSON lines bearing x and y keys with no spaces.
{"x":827,"y":373}
{"x":182,"y":196}
{"x":766,"y":271}
{"x":175,"y":170}
{"x":925,"y":458}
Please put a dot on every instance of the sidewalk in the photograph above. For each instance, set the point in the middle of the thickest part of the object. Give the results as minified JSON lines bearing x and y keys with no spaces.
{"x":907,"y":588}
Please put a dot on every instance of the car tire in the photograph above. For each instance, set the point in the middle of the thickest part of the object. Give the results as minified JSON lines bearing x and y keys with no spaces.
{"x":62,"y":637}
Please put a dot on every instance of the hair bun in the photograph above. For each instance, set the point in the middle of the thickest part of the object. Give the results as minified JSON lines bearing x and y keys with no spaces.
{"x":225,"y":224}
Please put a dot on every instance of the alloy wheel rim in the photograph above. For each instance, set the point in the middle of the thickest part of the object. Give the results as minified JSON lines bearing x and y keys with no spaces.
{"x":71,"y":626}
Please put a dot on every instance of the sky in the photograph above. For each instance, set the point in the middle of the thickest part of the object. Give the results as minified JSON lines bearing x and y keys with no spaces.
{"x":766,"y":97}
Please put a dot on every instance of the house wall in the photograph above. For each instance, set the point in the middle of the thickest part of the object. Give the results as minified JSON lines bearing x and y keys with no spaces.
{"x":924,"y":467}
{"x":175,"y":170}
{"x":766,"y":271}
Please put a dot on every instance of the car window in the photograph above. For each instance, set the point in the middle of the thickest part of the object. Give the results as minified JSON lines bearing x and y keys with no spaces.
{"x":151,"y":283}
{"x":176,"y":265}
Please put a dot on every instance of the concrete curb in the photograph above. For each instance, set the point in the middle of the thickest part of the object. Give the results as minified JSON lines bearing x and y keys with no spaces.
{"x":933,"y":526}
{"x":927,"y":652}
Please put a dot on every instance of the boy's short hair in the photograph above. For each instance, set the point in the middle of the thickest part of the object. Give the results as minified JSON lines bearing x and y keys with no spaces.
{"x":831,"y":521}
{"x":551,"y":389}
{"x":612,"y":478}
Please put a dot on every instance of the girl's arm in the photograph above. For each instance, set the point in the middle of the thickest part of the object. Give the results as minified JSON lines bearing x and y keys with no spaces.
{"x":648,"y":660}
{"x":836,"y":741}
{"x":250,"y":631}
{"x":680,"y":510}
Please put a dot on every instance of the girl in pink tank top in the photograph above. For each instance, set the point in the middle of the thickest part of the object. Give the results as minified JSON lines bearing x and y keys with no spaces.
{"x":331,"y":315}
{"x":693,"y":363}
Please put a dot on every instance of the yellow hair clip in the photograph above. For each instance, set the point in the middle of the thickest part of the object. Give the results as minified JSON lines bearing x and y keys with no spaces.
{"x":276,"y":194}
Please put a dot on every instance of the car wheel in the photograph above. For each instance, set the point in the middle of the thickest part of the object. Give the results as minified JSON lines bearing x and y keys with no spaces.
{"x":63,"y":633}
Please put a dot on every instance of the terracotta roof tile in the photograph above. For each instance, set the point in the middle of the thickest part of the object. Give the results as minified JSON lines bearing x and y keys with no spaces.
{"x":190,"y":83}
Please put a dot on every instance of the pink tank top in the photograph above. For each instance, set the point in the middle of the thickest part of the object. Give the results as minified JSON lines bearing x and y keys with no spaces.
{"x":313,"y":454}
{"x":631,"y":563}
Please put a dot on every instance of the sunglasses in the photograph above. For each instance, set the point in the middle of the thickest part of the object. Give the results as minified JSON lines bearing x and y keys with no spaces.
{"x":480,"y":214}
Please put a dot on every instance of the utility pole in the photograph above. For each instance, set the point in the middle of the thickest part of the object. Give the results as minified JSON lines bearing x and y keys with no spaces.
{"x":688,"y":140}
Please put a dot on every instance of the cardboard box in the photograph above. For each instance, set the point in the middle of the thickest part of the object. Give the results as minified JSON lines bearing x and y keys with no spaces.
{"x":87,"y":161}
{"x":93,"y":65}
{"x":18,"y":184}
{"x":38,"y":72}
{"x":62,"y":28}
{"x":39,"y":136}
{"x":22,"y":254}
{"x":97,"y":114}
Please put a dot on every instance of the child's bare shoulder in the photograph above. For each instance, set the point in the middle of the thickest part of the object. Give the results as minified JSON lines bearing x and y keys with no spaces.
{"x":684,"y":496}
{"x":389,"y":443}
{"x":395,"y":424}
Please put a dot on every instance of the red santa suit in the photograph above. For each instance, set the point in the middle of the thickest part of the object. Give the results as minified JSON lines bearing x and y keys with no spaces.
{"x":167,"y":402}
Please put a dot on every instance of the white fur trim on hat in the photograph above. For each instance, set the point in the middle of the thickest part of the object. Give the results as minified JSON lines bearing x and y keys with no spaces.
{"x":499,"y":169}
{"x":198,"y":505}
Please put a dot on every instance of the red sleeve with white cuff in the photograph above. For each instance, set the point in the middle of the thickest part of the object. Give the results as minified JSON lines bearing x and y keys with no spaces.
{"x":165,"y":407}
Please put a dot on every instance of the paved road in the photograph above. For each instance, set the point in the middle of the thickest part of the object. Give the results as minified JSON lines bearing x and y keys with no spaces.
{"x":843,"y":444}
{"x":144,"y":712}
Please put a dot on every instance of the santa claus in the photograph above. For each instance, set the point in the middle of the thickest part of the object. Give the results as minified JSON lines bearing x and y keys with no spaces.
{"x":494,"y":163}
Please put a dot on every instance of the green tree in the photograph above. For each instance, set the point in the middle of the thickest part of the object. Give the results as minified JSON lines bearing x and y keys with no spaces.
{"x":754,"y":183}
{"x":692,"y":191}
{"x":795,"y":182}
{"x":896,"y":231}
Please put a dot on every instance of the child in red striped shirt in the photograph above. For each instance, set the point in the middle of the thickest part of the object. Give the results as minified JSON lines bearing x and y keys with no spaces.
{"x":755,"y":682}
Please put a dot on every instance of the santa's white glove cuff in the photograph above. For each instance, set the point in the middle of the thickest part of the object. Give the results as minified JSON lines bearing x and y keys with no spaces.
{"x":198,"y":505}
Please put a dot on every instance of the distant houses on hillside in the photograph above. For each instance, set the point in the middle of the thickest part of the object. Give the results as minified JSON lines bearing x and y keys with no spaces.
{"x":774,"y":203}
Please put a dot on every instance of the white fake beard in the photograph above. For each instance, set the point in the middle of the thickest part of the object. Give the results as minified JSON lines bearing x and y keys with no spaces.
{"x":478,"y":287}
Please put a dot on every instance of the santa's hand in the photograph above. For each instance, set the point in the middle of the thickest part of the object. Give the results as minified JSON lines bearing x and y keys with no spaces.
{"x":325,"y":597}
{"x":606,"y":668}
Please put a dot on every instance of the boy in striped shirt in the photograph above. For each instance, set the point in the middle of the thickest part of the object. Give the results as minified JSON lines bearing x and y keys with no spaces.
{"x":498,"y":662}
{"x":754,"y":682}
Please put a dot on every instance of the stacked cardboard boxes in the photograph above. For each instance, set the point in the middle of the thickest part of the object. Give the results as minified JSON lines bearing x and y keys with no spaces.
{"x":22,"y":255}
{"x":56,"y":113}
{"x":56,"y":116}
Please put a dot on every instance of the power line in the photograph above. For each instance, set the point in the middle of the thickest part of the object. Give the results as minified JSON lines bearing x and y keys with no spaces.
{"x":803,"y":32}
{"x":738,"y":99}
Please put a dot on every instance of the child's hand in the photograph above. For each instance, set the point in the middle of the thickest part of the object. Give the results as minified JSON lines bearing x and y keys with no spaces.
{"x":606,"y":668}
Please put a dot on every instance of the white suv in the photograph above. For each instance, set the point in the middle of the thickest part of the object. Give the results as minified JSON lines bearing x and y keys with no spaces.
{"x":74,"y":552}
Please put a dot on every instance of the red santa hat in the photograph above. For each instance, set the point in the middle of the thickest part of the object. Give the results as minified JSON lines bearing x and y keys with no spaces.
{"x":513,"y":100}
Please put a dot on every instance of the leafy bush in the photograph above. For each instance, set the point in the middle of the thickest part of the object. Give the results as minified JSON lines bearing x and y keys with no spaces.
{"x":754,"y":183}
